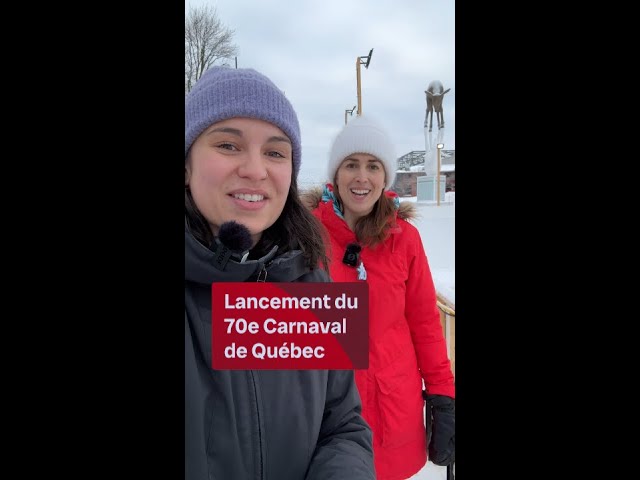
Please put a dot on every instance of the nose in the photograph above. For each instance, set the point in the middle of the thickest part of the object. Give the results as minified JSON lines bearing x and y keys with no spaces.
{"x":361,"y":175}
{"x":253,"y":166}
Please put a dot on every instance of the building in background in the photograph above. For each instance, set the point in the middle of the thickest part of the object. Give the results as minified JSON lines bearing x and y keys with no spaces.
{"x":411,"y":166}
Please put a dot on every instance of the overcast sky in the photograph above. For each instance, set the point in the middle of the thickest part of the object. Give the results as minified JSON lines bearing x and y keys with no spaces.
{"x":309,"y":49}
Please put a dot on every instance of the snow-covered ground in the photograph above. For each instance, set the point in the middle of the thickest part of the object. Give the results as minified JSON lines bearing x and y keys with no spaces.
{"x":431,"y":472}
{"x":437,"y":227}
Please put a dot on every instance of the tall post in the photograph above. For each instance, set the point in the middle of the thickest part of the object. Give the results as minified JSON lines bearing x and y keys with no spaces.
{"x":440,"y":145}
{"x":358,"y":85}
{"x":350,"y":112}
{"x":360,"y":60}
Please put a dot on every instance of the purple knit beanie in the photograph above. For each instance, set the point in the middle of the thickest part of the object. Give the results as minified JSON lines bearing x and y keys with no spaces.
{"x":224,"y":92}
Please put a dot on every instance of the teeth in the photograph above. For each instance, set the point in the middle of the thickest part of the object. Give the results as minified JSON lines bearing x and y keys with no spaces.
{"x":248,"y":198}
{"x":360,"y":192}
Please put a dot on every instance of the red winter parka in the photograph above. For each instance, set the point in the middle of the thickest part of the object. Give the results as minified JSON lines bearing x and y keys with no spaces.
{"x":406,"y":341}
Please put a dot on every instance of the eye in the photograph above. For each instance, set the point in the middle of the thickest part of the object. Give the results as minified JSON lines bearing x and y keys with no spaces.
{"x":374,"y":166}
{"x":351,"y":165}
{"x":227,"y":146}
{"x":275,"y":154}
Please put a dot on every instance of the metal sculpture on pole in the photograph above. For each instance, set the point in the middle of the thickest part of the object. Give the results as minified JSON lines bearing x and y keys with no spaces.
{"x":435,"y":94}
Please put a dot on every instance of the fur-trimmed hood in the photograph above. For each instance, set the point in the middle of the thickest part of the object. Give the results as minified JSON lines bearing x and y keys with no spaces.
{"x":312,"y":197}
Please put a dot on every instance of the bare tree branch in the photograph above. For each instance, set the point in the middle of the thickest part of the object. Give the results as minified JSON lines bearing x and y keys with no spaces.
{"x":206,"y":42}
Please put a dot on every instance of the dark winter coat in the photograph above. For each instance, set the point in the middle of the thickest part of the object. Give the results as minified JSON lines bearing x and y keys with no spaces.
{"x":406,"y":340}
{"x":264,"y":424}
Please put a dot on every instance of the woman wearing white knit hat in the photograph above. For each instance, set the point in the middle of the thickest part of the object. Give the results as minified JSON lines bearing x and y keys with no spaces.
{"x":372,"y":241}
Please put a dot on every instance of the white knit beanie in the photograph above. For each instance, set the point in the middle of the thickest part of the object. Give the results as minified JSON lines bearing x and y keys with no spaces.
{"x":364,"y":134}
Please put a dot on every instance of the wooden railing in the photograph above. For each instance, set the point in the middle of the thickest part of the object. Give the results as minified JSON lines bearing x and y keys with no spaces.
{"x":448,"y":320}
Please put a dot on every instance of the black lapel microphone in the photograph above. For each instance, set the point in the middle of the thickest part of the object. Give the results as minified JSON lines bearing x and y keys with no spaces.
{"x":233,"y":240}
{"x":352,"y":255}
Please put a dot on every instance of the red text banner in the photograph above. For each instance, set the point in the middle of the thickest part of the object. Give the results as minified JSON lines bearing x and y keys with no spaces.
{"x":290,"y":326}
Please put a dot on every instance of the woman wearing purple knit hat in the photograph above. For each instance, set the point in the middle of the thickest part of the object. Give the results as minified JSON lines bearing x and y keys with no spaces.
{"x":242,"y":158}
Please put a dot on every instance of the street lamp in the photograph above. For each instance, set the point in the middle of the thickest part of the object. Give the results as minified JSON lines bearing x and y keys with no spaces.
{"x":364,"y":60}
{"x":350,"y":112}
{"x":440,"y":147}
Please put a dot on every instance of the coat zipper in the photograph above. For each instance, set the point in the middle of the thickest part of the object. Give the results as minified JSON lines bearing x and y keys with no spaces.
{"x":255,"y":391}
{"x":262,"y":276}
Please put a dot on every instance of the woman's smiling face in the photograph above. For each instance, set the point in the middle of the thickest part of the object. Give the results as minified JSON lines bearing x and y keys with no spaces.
{"x":240,"y":169}
{"x":360,"y":181}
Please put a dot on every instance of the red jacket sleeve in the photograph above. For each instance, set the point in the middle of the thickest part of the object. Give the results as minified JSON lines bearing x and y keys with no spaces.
{"x":423,"y":318}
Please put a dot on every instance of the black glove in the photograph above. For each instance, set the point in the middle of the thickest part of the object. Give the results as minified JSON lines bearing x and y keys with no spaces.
{"x":441,"y":437}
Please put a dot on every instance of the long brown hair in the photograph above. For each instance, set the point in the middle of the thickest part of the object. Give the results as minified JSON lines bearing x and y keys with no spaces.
{"x":373,"y":228}
{"x":295,"y":229}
